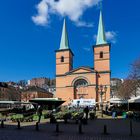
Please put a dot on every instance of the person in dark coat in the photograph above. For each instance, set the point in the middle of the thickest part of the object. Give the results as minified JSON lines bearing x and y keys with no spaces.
{"x":106,"y":108}
{"x":39,"y":112}
{"x":86,"y":111}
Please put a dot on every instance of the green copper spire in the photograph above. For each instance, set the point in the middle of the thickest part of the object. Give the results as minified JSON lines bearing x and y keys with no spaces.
{"x":64,"y":44}
{"x":101,"y":39}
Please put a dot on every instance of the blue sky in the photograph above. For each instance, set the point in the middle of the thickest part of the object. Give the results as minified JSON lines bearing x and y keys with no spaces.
{"x":28,"y":43}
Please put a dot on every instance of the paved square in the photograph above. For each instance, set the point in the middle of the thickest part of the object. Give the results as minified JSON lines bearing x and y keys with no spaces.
{"x":117,"y":130}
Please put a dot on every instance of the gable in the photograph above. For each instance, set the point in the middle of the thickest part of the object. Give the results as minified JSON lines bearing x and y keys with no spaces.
{"x":81,"y":70}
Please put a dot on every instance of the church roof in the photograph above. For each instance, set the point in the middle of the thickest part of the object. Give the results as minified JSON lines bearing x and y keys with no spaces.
{"x":64,"y":44}
{"x":101,"y":39}
{"x":35,"y":88}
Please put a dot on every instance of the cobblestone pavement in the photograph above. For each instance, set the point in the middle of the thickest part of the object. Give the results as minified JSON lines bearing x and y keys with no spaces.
{"x":116,"y":129}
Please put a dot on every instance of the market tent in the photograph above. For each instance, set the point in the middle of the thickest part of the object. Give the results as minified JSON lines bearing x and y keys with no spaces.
{"x":49,"y":102}
{"x":134,"y":100}
{"x":118,"y":101}
{"x":8,"y":102}
{"x":10,"y":106}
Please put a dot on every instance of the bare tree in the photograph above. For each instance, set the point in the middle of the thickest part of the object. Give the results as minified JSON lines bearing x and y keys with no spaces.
{"x":124,"y":91}
{"x":131,"y":84}
{"x":134,"y":76}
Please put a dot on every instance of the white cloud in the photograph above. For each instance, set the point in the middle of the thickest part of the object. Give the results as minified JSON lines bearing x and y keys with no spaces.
{"x":43,"y":16}
{"x":73,"y":9}
{"x":86,"y":49}
{"x":111,"y":36}
{"x":84,"y":24}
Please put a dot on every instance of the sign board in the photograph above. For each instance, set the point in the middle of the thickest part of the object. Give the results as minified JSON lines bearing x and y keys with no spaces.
{"x":83,"y":102}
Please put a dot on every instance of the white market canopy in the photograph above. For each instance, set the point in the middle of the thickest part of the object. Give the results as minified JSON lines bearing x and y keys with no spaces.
{"x":118,"y":101}
{"x":8,"y":102}
{"x":134,"y":100}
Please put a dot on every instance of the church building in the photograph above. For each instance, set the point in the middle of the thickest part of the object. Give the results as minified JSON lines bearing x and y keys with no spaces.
{"x":83,"y":82}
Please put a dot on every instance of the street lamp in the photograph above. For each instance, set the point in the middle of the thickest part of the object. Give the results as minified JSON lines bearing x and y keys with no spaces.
{"x":102,"y":90}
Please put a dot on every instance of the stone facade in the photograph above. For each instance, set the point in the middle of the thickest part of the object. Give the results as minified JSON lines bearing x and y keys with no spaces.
{"x":39,"y":82}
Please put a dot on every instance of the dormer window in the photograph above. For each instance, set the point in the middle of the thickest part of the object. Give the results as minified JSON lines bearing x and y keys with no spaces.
{"x":62,"y":58}
{"x":101,"y":54}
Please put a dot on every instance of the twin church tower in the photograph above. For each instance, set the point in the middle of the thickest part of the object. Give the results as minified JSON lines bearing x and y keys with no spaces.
{"x":83,"y":82}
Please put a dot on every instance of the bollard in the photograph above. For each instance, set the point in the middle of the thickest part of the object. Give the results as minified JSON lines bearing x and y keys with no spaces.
{"x":18,"y":125}
{"x":80,"y":128}
{"x":131,"y":130}
{"x":76,"y":121}
{"x":37,"y":126}
{"x":105,"y":130}
{"x":2,"y":124}
{"x":57,"y":127}
{"x":66,"y":121}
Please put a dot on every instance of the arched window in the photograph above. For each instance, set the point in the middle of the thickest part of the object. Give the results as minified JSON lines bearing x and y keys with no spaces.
{"x":101,"y":54}
{"x":80,"y":82}
{"x":80,"y":89}
{"x":62,"y":58}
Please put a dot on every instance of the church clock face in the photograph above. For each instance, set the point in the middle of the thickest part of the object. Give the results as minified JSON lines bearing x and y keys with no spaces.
{"x":80,"y":89}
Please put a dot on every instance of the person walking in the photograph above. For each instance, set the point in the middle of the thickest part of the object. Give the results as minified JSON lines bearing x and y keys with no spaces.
{"x":106,"y":109}
{"x":86,"y":111}
{"x":39,"y":112}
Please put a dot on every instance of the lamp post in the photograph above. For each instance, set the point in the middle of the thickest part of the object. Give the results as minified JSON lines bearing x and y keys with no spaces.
{"x":102,"y":90}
